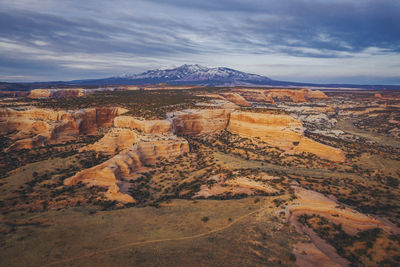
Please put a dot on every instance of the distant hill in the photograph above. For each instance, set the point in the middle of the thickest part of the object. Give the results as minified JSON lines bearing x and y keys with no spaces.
{"x":188,"y":75}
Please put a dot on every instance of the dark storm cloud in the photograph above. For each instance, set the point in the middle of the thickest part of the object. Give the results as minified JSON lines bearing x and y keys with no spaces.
{"x":78,"y":37}
{"x":349,"y":25}
{"x":85,"y":35}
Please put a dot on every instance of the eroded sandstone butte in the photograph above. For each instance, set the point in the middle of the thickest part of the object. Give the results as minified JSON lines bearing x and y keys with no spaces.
{"x":115,"y":140}
{"x":113,"y":172}
{"x":236,"y":99}
{"x":314,"y":94}
{"x":199,"y":121}
{"x":295,"y":95}
{"x":144,"y":126}
{"x":255,"y":95}
{"x":281,"y":131}
{"x":36,"y":127}
{"x":56,"y":93}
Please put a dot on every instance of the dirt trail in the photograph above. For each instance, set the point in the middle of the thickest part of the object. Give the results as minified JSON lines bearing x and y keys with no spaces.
{"x":220,"y":229}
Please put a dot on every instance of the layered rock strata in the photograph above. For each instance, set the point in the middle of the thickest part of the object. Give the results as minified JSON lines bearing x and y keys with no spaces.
{"x":199,"y":121}
{"x":236,"y":99}
{"x":314,"y":203}
{"x":113,"y":172}
{"x":47,"y":93}
{"x":115,"y":140}
{"x":36,"y":127}
{"x":144,"y":126}
{"x":281,"y":131}
{"x":301,"y":95}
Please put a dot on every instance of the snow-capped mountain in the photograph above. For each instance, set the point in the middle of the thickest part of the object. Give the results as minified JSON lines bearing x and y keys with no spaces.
{"x":195,"y":74}
{"x":187,"y":75}
{"x":170,"y":74}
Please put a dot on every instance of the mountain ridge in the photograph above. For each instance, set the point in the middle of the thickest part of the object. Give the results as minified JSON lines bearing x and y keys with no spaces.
{"x":187,"y":74}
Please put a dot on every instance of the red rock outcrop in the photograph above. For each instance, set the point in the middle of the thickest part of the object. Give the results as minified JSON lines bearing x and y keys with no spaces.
{"x":56,"y":93}
{"x":255,"y":95}
{"x":286,"y":94}
{"x":199,"y":121}
{"x":236,"y":99}
{"x":295,"y":95}
{"x":144,"y":126}
{"x":115,"y":140}
{"x":113,"y":172}
{"x":276,"y":130}
{"x":39,"y":93}
{"x":281,"y":131}
{"x":37,"y":127}
{"x":321,"y":150}
{"x":314,"y":94}
{"x":311,"y":202}
{"x":314,"y":203}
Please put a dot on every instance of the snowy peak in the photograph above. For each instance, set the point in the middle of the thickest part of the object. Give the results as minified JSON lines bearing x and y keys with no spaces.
{"x":196,"y":73}
{"x":176,"y":73}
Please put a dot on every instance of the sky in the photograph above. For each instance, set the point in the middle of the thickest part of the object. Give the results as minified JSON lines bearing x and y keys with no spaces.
{"x":322,"y":41}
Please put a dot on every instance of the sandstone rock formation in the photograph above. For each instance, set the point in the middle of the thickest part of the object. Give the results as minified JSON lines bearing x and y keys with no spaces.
{"x":39,"y":93}
{"x":281,"y":131}
{"x":314,"y":94}
{"x":199,"y":121}
{"x":311,"y":202}
{"x":300,"y":95}
{"x":236,"y":99}
{"x":321,"y":150}
{"x":57,"y":93}
{"x":113,"y":172}
{"x":115,"y":140}
{"x":278,"y":130}
{"x":37,"y":127}
{"x":255,"y":95}
{"x":144,"y":126}
{"x":286,"y":94}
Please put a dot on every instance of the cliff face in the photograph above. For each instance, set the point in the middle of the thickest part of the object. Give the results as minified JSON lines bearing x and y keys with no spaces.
{"x":113,"y":172}
{"x":39,"y":93}
{"x":192,"y":122}
{"x":295,"y":95}
{"x":46,"y":93}
{"x":281,"y":131}
{"x":115,"y":140}
{"x":255,"y":95}
{"x":321,"y":150}
{"x":275,"y":130}
{"x":236,"y":99}
{"x":37,"y":127}
{"x":144,"y":126}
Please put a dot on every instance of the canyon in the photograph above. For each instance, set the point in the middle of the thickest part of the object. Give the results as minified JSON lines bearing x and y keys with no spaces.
{"x":285,"y":176}
{"x":37,"y":127}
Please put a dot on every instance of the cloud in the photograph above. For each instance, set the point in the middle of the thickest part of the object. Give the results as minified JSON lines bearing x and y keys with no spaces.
{"x":78,"y":39}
